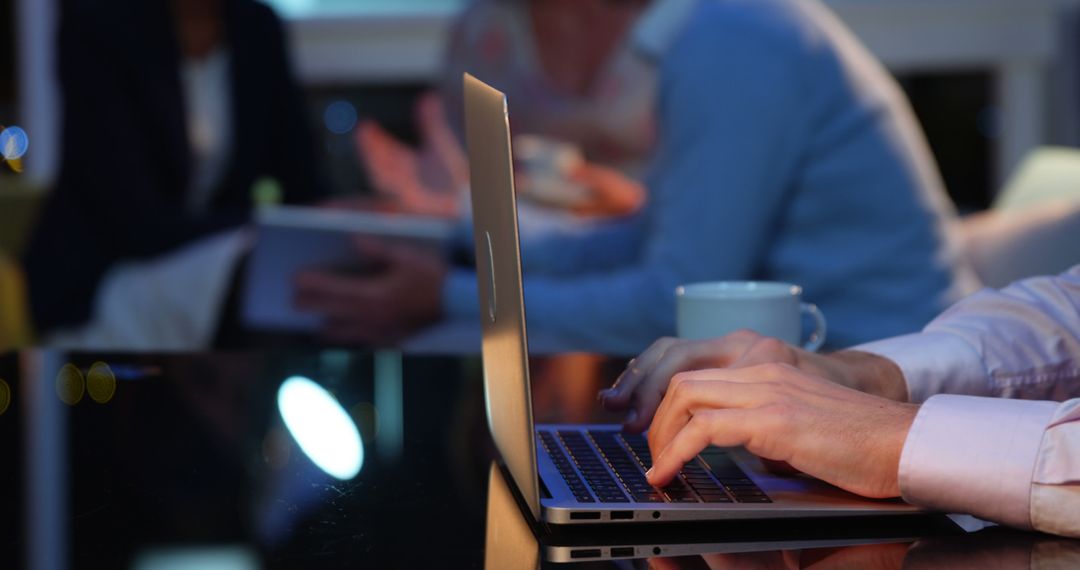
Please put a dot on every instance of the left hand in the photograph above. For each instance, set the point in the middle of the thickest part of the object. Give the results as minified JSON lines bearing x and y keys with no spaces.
{"x":403,"y":296}
{"x":842,"y":436}
{"x":641,"y":387}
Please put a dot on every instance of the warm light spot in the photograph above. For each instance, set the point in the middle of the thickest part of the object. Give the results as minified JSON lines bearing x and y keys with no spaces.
{"x":70,"y":385}
{"x":321,"y":427}
{"x":100,"y":383}
{"x":5,"y":396}
{"x":15,"y":165}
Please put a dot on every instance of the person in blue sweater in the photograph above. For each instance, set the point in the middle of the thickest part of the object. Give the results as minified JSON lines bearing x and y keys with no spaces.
{"x":786,"y":152}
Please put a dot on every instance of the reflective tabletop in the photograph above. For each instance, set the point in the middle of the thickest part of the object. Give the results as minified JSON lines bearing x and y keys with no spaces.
{"x":312,"y":459}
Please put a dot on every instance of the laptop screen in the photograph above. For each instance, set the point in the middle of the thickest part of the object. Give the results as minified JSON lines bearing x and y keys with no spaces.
{"x":498,"y":275}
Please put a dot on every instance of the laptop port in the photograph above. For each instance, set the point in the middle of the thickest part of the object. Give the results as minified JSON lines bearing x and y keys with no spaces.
{"x":584,"y":516}
{"x":585,"y":553}
{"x":622,"y":515}
{"x":622,"y":552}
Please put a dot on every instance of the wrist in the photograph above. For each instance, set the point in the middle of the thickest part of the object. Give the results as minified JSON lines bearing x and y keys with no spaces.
{"x":872,"y":374}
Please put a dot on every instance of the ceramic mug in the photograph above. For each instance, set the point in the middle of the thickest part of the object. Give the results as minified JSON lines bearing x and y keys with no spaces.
{"x":711,"y":310}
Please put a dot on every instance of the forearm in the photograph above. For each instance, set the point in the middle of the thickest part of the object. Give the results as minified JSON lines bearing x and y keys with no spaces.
{"x":1020,"y":342}
{"x":862,"y":371}
{"x":1013,"y":462}
{"x":576,"y":252}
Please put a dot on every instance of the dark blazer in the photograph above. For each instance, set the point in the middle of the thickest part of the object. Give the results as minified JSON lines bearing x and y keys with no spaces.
{"x":125,"y":155}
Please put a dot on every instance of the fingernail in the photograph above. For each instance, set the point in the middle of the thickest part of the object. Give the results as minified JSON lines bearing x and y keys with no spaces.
{"x":604,"y":394}
{"x":631,"y":417}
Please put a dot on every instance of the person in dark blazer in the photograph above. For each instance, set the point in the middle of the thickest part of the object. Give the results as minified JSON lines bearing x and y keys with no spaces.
{"x":172,"y":110}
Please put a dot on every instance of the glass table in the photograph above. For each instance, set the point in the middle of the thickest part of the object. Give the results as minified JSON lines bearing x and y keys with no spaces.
{"x":155,"y":462}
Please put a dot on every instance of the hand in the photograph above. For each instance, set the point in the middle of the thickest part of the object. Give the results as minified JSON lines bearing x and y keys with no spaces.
{"x":424,"y":182}
{"x":839,"y":435}
{"x":402,"y":296}
{"x":612,"y":192}
{"x":641,"y":387}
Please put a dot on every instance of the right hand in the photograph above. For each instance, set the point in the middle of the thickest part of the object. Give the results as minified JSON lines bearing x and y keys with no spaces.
{"x":641,"y":387}
{"x":424,"y":181}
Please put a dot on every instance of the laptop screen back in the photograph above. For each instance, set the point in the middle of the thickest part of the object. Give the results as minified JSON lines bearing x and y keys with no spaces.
{"x":498,"y":275}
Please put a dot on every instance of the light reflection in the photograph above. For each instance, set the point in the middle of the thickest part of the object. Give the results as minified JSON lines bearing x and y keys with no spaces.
{"x":321,"y":427}
{"x":70,"y":385}
{"x":101,"y":383}
{"x":14,"y":143}
{"x":340,"y":117}
{"x":5,"y":396}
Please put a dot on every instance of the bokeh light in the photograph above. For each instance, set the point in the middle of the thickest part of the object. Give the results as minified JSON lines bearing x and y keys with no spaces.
{"x":340,"y":117}
{"x":100,"y":383}
{"x":14,"y":143}
{"x":70,"y":385}
{"x":5,"y":396}
{"x":321,"y":427}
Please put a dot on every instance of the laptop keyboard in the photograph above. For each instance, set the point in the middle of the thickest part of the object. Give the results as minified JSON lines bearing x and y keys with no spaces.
{"x":617,"y":473}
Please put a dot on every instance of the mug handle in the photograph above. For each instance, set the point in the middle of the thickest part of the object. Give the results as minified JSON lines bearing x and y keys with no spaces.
{"x":817,"y":338}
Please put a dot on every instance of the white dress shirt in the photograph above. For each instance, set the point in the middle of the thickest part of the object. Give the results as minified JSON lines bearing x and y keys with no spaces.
{"x":997,"y":435}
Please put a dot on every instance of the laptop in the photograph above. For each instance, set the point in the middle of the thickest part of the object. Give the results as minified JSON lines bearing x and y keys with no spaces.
{"x":588,"y":474}
{"x":515,"y":540}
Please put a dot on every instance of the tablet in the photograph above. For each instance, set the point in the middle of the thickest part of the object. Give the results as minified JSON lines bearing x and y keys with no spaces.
{"x":292,"y":238}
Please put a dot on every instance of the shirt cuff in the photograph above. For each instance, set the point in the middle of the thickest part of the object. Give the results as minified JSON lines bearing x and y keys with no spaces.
{"x":460,"y":299}
{"x":934,"y":363}
{"x":975,"y":455}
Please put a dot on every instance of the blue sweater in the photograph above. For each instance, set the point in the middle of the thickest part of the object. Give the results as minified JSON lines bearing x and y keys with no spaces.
{"x":786,"y":153}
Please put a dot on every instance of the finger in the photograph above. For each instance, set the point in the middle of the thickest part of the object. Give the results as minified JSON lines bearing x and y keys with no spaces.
{"x":725,"y":428}
{"x":686,"y":398}
{"x":768,"y":372}
{"x":619,"y":395}
{"x":431,"y":115}
{"x":668,"y":356}
{"x":678,"y":358}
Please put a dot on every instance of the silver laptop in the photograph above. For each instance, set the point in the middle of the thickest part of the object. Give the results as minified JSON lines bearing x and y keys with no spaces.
{"x":595,"y":473}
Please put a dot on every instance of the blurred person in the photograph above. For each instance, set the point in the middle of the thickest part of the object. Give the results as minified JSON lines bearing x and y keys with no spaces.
{"x":171,"y":111}
{"x":785,"y":153}
{"x":971,"y":415}
{"x":578,"y":79}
